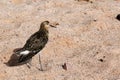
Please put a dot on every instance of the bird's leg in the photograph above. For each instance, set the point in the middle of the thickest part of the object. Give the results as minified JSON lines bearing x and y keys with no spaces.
{"x":29,"y":64}
{"x":40,"y":63}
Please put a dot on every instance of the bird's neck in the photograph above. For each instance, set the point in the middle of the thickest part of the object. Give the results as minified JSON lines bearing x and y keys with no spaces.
{"x":43,"y":29}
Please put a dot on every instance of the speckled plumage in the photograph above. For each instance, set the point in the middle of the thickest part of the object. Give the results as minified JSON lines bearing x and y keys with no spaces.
{"x":35,"y":43}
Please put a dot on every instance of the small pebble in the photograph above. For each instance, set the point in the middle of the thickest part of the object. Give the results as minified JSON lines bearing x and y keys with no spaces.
{"x":64,"y":66}
{"x":101,"y":60}
{"x":94,"y":20}
{"x":118,"y":17}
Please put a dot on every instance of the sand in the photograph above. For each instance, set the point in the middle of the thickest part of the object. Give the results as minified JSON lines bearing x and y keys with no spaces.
{"x":87,"y":39}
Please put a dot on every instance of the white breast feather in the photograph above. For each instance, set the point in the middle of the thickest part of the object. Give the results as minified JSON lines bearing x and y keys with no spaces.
{"x":25,"y":52}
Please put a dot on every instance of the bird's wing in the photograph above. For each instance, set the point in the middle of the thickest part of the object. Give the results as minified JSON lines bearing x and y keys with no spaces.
{"x":36,"y":42}
{"x":23,"y":58}
{"x":33,"y":45}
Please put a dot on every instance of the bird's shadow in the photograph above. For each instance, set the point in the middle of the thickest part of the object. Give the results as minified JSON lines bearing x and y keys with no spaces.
{"x":13,"y":61}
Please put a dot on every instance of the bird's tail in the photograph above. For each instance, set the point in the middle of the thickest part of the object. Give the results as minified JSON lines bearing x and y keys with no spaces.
{"x":13,"y":61}
{"x":20,"y":56}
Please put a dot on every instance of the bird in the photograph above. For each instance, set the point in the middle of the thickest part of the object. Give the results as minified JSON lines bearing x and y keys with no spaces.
{"x":35,"y":44}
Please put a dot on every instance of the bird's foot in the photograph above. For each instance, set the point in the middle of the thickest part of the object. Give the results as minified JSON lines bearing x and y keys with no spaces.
{"x":39,"y":69}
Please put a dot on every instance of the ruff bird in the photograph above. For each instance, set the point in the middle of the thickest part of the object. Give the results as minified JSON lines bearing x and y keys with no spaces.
{"x":35,"y":43}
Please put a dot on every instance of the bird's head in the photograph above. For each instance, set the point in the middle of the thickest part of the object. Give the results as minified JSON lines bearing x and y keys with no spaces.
{"x":47,"y":24}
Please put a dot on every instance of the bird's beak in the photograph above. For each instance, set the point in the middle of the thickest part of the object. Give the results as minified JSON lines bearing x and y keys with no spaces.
{"x":54,"y":25}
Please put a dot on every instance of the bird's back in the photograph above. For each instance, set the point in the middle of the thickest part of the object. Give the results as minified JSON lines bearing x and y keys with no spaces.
{"x":33,"y":45}
{"x":36,"y":42}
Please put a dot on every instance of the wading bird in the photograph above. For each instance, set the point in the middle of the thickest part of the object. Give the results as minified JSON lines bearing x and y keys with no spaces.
{"x":34,"y":44}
